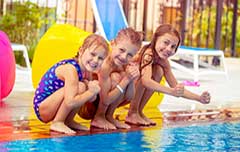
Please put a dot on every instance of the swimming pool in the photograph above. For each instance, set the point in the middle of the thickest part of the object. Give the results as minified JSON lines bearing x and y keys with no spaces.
{"x":207,"y":137}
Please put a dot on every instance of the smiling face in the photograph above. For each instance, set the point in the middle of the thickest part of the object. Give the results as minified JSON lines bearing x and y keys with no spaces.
{"x":166,"y":45}
{"x":92,"y":58}
{"x":123,"y":52}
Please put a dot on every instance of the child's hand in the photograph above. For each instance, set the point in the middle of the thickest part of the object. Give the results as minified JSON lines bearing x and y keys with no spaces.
{"x":178,"y":91}
{"x":93,"y":98}
{"x":132,"y":71}
{"x":205,"y":97}
{"x":94,"y":87}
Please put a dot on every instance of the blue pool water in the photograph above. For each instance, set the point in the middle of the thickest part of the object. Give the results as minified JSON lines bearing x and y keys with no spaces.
{"x":212,"y":137}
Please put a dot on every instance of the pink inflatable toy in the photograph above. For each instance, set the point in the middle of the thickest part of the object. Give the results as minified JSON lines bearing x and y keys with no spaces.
{"x":7,"y":66}
{"x":191,"y":83}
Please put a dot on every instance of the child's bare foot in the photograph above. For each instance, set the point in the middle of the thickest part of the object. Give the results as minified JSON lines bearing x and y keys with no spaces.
{"x":102,"y":123}
{"x":61,"y":127}
{"x":149,"y":121}
{"x":77,"y":126}
{"x":135,"y":119}
{"x":118,"y":124}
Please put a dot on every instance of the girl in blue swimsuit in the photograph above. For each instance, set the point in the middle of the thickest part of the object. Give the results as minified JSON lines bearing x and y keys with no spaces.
{"x":67,"y":85}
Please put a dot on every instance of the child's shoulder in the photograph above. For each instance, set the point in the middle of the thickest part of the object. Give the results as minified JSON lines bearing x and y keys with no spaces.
{"x":147,"y":56}
{"x":105,"y":70}
{"x":148,"y":51}
{"x":69,"y":65}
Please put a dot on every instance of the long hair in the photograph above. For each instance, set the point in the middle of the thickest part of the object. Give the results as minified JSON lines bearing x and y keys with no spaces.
{"x":160,"y":31}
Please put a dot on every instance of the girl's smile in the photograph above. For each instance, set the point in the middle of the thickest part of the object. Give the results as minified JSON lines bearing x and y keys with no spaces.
{"x":166,"y":45}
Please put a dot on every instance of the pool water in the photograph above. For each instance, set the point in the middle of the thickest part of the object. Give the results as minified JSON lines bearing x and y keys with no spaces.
{"x":207,"y":137}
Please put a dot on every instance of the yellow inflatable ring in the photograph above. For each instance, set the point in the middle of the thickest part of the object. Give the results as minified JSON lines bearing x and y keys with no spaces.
{"x":58,"y":43}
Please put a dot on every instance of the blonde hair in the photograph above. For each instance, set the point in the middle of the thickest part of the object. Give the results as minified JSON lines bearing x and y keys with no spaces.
{"x":95,"y":41}
{"x":134,"y":36}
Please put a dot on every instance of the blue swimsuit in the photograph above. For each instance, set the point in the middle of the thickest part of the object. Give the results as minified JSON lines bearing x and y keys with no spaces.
{"x":51,"y":83}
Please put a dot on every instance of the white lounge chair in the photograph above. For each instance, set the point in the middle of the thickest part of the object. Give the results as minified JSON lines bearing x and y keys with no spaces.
{"x":23,"y":74}
{"x":199,"y":68}
{"x":22,"y":48}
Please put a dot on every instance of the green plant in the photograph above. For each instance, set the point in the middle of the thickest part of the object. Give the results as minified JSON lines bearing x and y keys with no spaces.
{"x":201,"y":31}
{"x":23,"y":22}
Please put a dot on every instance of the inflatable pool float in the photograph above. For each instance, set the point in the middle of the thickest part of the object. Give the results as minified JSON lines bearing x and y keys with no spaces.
{"x":7,"y":66}
{"x":61,"y":41}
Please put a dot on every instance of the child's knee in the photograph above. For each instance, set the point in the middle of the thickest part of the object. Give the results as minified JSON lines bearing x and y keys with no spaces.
{"x":158,"y":73}
{"x":81,"y":88}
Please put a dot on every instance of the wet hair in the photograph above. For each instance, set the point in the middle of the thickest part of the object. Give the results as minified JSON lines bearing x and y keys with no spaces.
{"x":95,"y":41}
{"x":160,"y":31}
{"x":134,"y":36}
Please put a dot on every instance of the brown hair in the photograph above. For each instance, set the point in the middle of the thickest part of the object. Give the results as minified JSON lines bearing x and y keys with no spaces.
{"x":134,"y":36}
{"x":160,"y":31}
{"x":93,"y":40}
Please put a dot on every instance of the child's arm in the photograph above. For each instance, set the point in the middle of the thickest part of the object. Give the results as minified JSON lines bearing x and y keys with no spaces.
{"x":108,"y":95}
{"x":203,"y":98}
{"x":147,"y":74}
{"x":72,"y":97}
{"x":171,"y":80}
{"x":149,"y":83}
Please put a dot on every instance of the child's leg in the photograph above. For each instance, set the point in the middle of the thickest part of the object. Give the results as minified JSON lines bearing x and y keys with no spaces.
{"x":49,"y":107}
{"x":89,"y":109}
{"x":70,"y":118}
{"x":100,"y":120}
{"x":133,"y":116}
{"x":110,"y":112}
{"x":73,"y":124}
{"x":115,"y":79}
{"x":65,"y":108}
{"x":122,"y":100}
{"x":157,"y":76}
{"x":146,"y":96}
{"x":62,"y":113}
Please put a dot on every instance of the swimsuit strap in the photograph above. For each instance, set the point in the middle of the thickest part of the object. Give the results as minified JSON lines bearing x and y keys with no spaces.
{"x":75,"y":64}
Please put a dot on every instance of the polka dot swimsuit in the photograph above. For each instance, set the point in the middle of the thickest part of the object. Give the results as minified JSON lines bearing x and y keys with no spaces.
{"x":51,"y":83}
